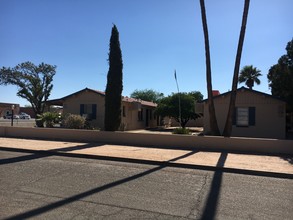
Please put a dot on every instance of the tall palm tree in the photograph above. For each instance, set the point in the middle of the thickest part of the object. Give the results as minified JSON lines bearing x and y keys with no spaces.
{"x":249,"y":75}
{"x":213,"y":120}
{"x":228,"y":126}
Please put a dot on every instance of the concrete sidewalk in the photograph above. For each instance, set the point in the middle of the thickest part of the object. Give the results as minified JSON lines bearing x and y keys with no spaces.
{"x":261,"y":163}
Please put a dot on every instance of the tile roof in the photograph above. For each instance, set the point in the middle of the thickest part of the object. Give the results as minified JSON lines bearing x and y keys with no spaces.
{"x":245,"y":89}
{"x":124,"y":99}
{"x":147,"y":103}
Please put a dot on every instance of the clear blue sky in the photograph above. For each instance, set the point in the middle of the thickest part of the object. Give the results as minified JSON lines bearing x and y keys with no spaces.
{"x":156,"y":37}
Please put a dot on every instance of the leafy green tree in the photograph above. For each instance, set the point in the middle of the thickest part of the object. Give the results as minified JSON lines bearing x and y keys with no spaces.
{"x":196,"y":95}
{"x":280,"y":77}
{"x":147,"y":95}
{"x":211,"y":107}
{"x":34,"y":82}
{"x":114,"y":84}
{"x":169,"y":107}
{"x":249,"y":75}
{"x":228,"y":125}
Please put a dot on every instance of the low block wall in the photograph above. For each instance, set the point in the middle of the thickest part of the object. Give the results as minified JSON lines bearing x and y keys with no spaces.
{"x":269,"y":146}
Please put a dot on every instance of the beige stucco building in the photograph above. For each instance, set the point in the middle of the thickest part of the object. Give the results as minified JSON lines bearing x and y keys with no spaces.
{"x":257,"y":114}
{"x":135,"y":114}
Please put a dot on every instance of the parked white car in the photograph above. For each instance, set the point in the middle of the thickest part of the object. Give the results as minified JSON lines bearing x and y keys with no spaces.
{"x":23,"y":115}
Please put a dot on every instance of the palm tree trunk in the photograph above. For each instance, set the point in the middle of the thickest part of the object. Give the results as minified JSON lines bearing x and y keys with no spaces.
{"x":213,"y":120}
{"x":228,"y":126}
{"x":250,"y":83}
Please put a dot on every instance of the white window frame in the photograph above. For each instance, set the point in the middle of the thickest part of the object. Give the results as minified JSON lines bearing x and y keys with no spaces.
{"x":242,"y":117}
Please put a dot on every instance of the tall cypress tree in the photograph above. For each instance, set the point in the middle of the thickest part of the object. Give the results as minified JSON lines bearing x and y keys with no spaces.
{"x":114,"y":84}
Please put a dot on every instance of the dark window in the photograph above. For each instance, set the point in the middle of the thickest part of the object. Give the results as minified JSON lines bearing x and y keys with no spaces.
{"x":252,"y":116}
{"x":81,"y":112}
{"x":89,"y":111}
{"x":244,"y":116}
{"x":123,"y":111}
{"x":94,"y":111}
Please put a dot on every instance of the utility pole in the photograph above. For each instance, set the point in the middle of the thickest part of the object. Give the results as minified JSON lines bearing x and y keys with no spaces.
{"x":12,"y":115}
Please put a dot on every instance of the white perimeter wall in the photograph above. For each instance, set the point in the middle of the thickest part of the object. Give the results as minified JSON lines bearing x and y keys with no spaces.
{"x":256,"y":145}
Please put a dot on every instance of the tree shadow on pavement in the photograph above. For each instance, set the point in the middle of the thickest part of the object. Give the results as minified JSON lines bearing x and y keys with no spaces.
{"x":211,"y":202}
{"x":289,"y":159}
{"x":210,"y":210}
{"x":46,"y":208}
{"x":37,"y":154}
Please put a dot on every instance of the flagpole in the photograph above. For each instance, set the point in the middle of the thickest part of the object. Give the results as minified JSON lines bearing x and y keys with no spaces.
{"x":178,"y":98}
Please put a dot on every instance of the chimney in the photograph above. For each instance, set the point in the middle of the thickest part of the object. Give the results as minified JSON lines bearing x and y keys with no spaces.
{"x":216,"y":92}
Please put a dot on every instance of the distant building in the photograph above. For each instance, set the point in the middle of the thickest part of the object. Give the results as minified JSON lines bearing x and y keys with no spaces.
{"x":6,"y":109}
{"x":135,"y":114}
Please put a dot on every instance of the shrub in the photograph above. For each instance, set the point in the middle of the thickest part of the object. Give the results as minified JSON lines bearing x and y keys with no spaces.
{"x":48,"y":118}
{"x":180,"y":131}
{"x":73,"y":121}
